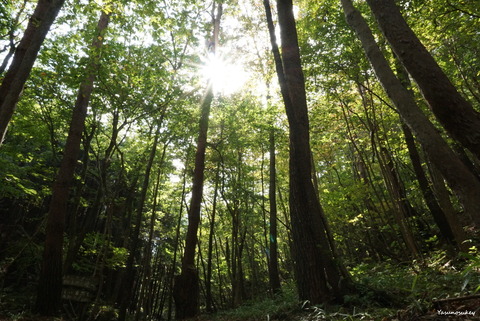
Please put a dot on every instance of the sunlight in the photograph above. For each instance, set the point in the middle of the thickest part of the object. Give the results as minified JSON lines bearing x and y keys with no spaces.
{"x":226,"y":77}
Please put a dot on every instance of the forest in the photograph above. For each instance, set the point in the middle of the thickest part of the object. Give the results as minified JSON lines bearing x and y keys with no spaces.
{"x":239,"y":160}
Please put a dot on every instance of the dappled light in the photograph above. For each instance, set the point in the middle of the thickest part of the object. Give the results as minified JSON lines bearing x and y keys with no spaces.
{"x":239,"y":161}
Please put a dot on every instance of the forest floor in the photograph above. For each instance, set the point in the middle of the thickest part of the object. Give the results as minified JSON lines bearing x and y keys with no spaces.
{"x":455,"y":309}
{"x":438,"y":290}
{"x":465,"y":308}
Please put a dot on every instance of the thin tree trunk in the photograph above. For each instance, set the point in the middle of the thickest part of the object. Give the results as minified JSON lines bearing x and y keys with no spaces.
{"x":273,"y":271}
{"x":25,"y":55}
{"x":187,"y":287}
{"x":208,"y":282}
{"x":364,"y":173}
{"x":147,"y":253}
{"x":176,"y":244}
{"x":401,"y":211}
{"x":453,"y":111}
{"x":50,"y":284}
{"x":460,"y":179}
{"x":10,"y":53}
{"x":135,"y":245}
{"x":439,"y":217}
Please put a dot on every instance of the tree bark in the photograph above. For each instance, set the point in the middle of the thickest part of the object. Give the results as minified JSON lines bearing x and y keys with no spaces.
{"x":460,"y":178}
{"x":25,"y":55}
{"x":453,"y":111}
{"x":50,"y":284}
{"x":186,"y":289}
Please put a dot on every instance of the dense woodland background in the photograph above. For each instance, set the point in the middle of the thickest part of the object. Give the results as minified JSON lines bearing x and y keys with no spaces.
{"x":161,"y":163}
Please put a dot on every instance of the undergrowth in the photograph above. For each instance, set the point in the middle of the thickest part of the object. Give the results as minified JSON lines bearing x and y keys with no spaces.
{"x":273,"y":307}
{"x":385,"y":290}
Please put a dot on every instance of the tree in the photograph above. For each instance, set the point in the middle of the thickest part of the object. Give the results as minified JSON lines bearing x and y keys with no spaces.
{"x":450,"y":229}
{"x":459,"y":177}
{"x":187,"y":288}
{"x":273,"y":273}
{"x":318,"y":274}
{"x":453,"y":111}
{"x":24,"y":58}
{"x":50,"y":284}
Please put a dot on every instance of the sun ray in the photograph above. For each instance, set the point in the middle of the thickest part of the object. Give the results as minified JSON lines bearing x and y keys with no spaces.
{"x":225,"y":76}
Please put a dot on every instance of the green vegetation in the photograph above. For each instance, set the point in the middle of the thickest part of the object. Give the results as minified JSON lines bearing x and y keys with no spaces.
{"x":109,"y":212}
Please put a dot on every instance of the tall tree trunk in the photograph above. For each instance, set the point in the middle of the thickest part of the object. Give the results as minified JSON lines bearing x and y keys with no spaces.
{"x":50,"y":284}
{"x":453,"y":111}
{"x":273,"y":273}
{"x":451,"y":214}
{"x":432,"y":204}
{"x":458,"y":176}
{"x":317,"y":273}
{"x":451,"y":231}
{"x":187,"y":288}
{"x":25,"y":55}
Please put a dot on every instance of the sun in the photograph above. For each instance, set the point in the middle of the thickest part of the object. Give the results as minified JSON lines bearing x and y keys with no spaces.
{"x":226,"y":77}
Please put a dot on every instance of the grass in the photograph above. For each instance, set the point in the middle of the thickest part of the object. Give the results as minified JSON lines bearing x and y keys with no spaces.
{"x":272,"y":307}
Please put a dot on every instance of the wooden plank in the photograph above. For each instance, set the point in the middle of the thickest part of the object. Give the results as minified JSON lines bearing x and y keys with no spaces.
{"x":77,"y":295}
{"x":82,"y":282}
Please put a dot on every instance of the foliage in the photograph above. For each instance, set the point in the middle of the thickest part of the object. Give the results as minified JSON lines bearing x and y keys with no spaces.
{"x":150,"y":77}
{"x":273,"y":307}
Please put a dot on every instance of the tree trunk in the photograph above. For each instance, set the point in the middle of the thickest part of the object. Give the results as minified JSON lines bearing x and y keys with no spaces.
{"x":443,"y":197}
{"x":460,"y":178}
{"x":25,"y":55}
{"x":450,"y":232}
{"x":187,"y":288}
{"x":50,"y":284}
{"x":273,"y":273}
{"x":208,"y":282}
{"x":318,"y":276}
{"x":432,"y":204}
{"x":453,"y":111}
{"x":401,"y":209}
